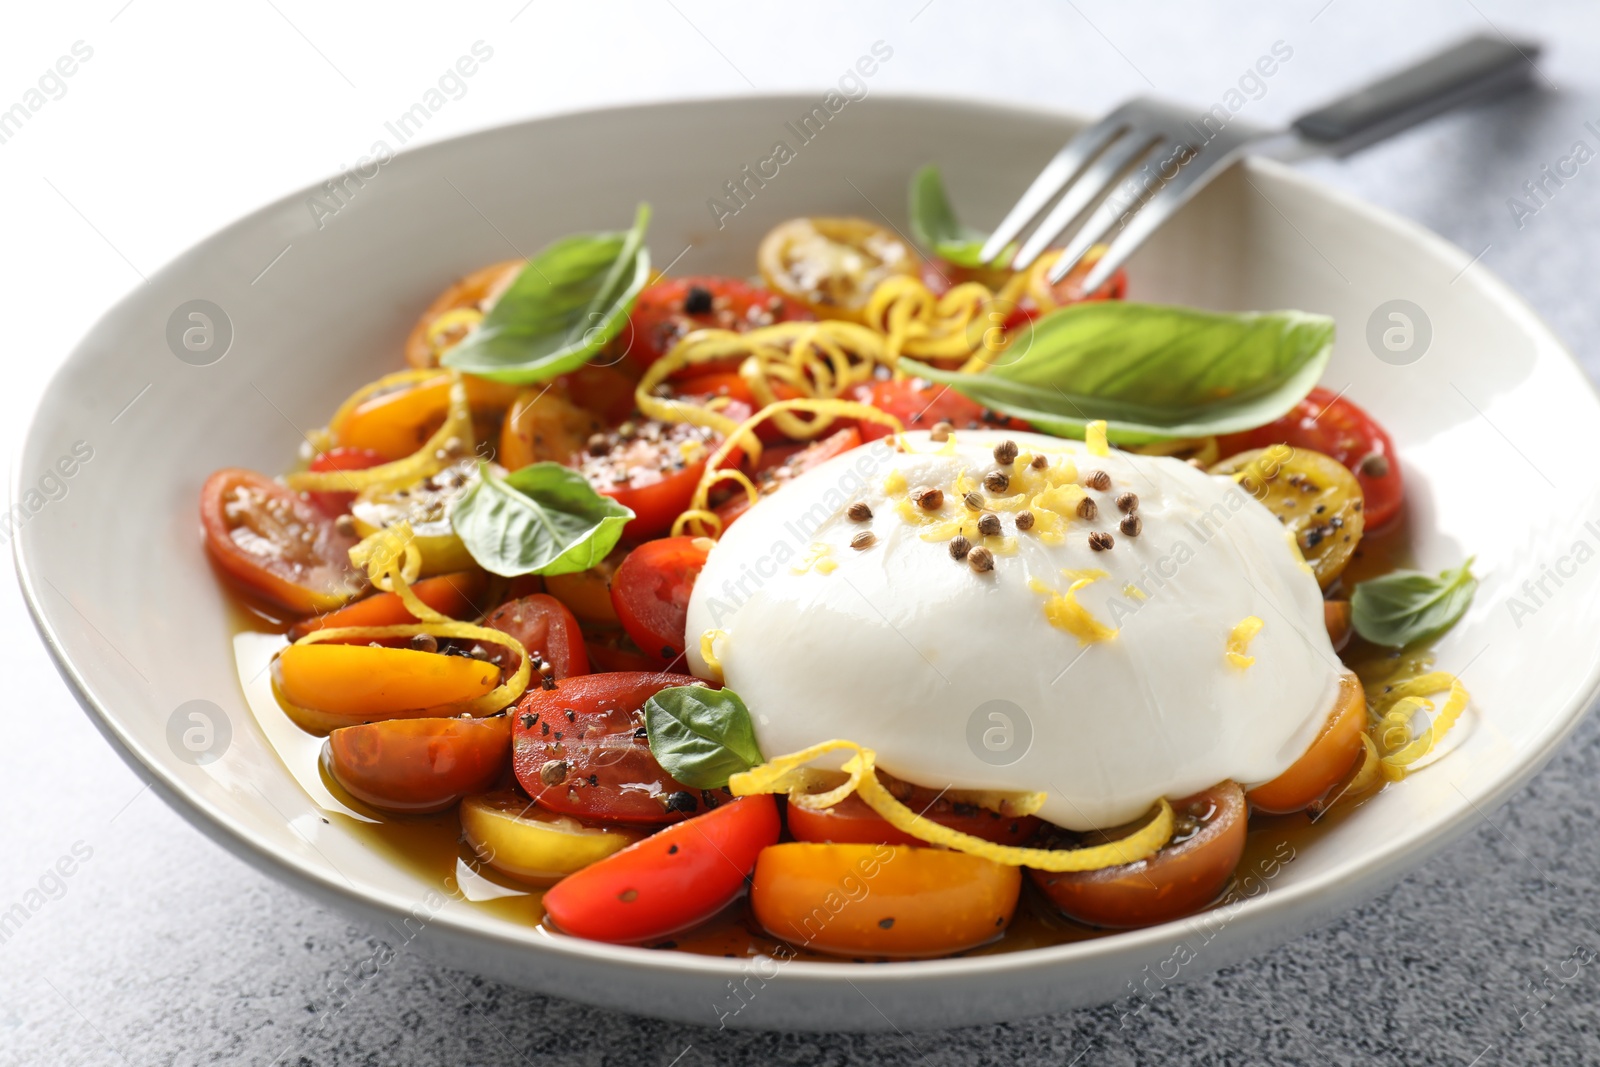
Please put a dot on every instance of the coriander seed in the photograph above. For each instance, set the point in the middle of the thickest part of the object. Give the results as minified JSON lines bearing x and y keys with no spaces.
{"x":989,"y":524}
{"x":1005,"y":453}
{"x":959,"y":547}
{"x":981,"y":559}
{"x":860,"y":511}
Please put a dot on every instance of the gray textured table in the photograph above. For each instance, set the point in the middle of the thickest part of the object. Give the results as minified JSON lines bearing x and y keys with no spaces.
{"x":160,"y":948}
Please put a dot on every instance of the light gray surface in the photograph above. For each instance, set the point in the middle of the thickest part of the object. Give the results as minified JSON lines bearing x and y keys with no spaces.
{"x":162,"y":949}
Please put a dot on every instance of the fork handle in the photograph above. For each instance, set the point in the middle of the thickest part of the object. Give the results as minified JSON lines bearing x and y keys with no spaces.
{"x":1477,"y":68}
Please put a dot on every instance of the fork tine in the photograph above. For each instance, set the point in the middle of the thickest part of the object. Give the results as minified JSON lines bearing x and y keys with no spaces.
{"x":1146,"y":218}
{"x":1060,"y":170}
{"x":1085,"y":190}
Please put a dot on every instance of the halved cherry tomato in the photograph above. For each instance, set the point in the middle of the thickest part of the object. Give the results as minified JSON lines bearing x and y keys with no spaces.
{"x":517,"y":837}
{"x":651,"y":467}
{"x":395,"y":422}
{"x":781,"y":463}
{"x":341,"y":459}
{"x":919,"y":404}
{"x":426,"y":507}
{"x":477,"y":290}
{"x":419,"y":765}
{"x":587,"y":594}
{"x":941,"y":275}
{"x":544,"y":425}
{"x":1322,"y":766}
{"x":456,"y":595}
{"x":882,"y":900}
{"x":1336,"y":617}
{"x":832,"y":265}
{"x":276,"y":543}
{"x":668,"y":881}
{"x":1041,"y":296}
{"x":1183,"y":877}
{"x":742,"y":400}
{"x":613,"y":650}
{"x":547,"y":630}
{"x":600,"y":388}
{"x":1315,"y":497}
{"x":668,"y":310}
{"x":651,"y":594}
{"x":363,"y":683}
{"x":1333,"y":425}
{"x":580,"y":748}
{"x":851,"y":821}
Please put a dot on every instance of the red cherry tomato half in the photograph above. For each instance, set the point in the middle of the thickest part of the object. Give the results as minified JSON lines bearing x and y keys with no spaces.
{"x":742,"y":400}
{"x":781,"y":463}
{"x":419,"y":765}
{"x":668,"y":310}
{"x":341,"y":459}
{"x":276,"y":543}
{"x":851,"y":821}
{"x":544,"y":626}
{"x":613,"y":650}
{"x":1328,"y":423}
{"x":580,"y":749}
{"x":668,"y":881}
{"x":919,"y":404}
{"x":653,"y":468}
{"x":651,"y":594}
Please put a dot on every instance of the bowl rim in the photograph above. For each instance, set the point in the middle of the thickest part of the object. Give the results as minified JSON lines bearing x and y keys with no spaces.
{"x":1336,"y":887}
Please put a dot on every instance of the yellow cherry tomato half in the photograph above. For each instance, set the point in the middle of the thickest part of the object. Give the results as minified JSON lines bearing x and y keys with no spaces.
{"x":544,"y":425}
{"x":426,"y":506}
{"x":533,"y":844}
{"x":882,"y":900}
{"x":832,"y":265}
{"x":363,"y":683}
{"x":1313,"y":495}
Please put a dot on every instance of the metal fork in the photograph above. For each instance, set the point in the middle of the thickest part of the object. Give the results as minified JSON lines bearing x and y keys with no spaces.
{"x":1134,"y":169}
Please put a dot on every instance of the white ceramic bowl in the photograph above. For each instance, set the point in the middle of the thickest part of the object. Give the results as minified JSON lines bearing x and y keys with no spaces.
{"x":111,"y":564}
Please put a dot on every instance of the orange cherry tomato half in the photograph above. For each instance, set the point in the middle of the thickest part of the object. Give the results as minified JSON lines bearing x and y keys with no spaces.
{"x":1324,"y":764}
{"x":851,"y":821}
{"x":781,"y":463}
{"x":580,"y":749}
{"x":544,"y":425}
{"x":670,"y":309}
{"x":477,"y":291}
{"x":547,"y":630}
{"x":1183,"y":877}
{"x":396,"y":422}
{"x":670,"y":880}
{"x":456,"y":595}
{"x":276,"y":543}
{"x":882,"y":900}
{"x":419,"y":765}
{"x":651,"y":594}
{"x":1333,"y":425}
{"x":364,"y":683}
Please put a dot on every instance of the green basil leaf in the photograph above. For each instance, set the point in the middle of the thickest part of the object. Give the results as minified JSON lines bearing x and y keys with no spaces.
{"x":566,"y":305}
{"x":1406,"y":607}
{"x":541,"y":519}
{"x":933,"y":222}
{"x":1151,"y":371}
{"x":701,"y":736}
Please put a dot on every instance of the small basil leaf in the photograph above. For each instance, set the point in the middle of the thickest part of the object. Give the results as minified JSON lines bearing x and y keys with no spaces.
{"x":541,"y":519}
{"x":933,"y":222}
{"x":566,"y":305}
{"x":1152,"y":371}
{"x":1406,"y":607}
{"x":701,"y":736}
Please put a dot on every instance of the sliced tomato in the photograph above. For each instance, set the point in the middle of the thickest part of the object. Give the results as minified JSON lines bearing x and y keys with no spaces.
{"x":276,"y":543}
{"x":457,"y":595}
{"x":600,"y":388}
{"x":515,"y":836}
{"x":398,"y":419}
{"x":741,"y":399}
{"x":477,"y":291}
{"x":547,"y":630}
{"x":341,"y":459}
{"x":882,"y":900}
{"x":832,"y":265}
{"x":781,"y":463}
{"x":613,"y":650}
{"x":544,"y":425}
{"x":1180,"y":879}
{"x":1333,"y":425}
{"x":366,"y":683}
{"x":1324,"y":764}
{"x":920,"y":404}
{"x":651,"y":467}
{"x":851,"y":821}
{"x":651,"y":594}
{"x":1042,"y":295}
{"x":668,"y":310}
{"x":670,"y":880}
{"x":580,"y":748}
{"x":419,"y":765}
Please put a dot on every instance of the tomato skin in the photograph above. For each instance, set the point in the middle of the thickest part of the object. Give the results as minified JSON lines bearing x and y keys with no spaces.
{"x":659,"y":319}
{"x":882,"y":900}
{"x":299,"y":573}
{"x":341,"y":459}
{"x":614,"y":651}
{"x":1333,"y":425}
{"x":1179,"y":880}
{"x":851,"y":821}
{"x":543,"y":626}
{"x":651,"y":594}
{"x":670,"y":880}
{"x":783,"y":462}
{"x":419,"y":765}
{"x":919,"y":404}
{"x":1321,"y":767}
{"x":471,"y":291}
{"x":366,"y":683}
{"x":603,"y":737}
{"x":649,"y":470}
{"x":455,"y":595}
{"x":832,"y":265}
{"x":520,"y":839}
{"x":731,"y":384}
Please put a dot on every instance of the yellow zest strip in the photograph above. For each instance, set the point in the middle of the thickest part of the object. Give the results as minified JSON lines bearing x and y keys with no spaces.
{"x":453,"y":437}
{"x":1094,"y":435}
{"x":1083,"y":574}
{"x":699,"y":515}
{"x":708,"y":644}
{"x":785,"y":774}
{"x":920,"y":324}
{"x":1065,"y":613}
{"x":1203,"y":450}
{"x":1239,"y":640}
{"x":392,"y":562}
{"x":1391,"y":734}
